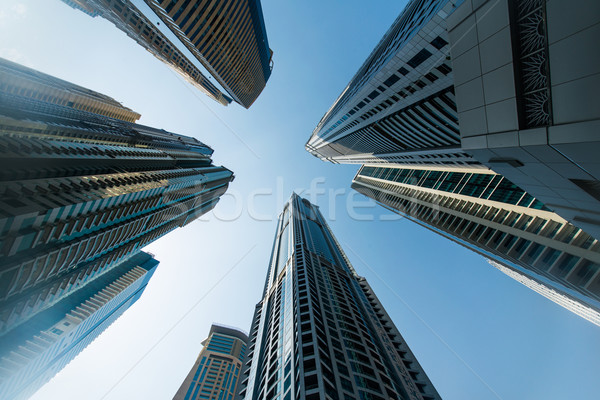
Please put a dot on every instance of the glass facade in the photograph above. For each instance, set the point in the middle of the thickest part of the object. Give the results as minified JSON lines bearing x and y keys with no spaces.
{"x":493,"y":217}
{"x":228,"y":38}
{"x":202,"y":40}
{"x":215,"y":374}
{"x":33,"y":352}
{"x":401,"y":105}
{"x":319,"y":332}
{"x":474,"y":184}
{"x":284,"y":248}
{"x":83,"y":188}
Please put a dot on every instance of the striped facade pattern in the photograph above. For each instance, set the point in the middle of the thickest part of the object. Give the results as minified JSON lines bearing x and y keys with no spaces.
{"x":35,"y":351}
{"x":125,"y":16}
{"x":228,"y":37}
{"x":82,"y":193}
{"x":401,"y":100}
{"x":394,"y":39}
{"x":481,"y":185}
{"x":494,"y":218}
{"x":561,"y":299}
{"x":320,"y":332}
{"x":446,"y":157}
{"x":429,"y":124}
{"x":215,"y":374}
{"x":81,"y":6}
{"x":18,"y":80}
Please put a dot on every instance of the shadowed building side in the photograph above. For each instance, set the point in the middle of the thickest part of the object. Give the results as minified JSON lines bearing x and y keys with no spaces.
{"x":33,"y":353}
{"x":80,"y":192}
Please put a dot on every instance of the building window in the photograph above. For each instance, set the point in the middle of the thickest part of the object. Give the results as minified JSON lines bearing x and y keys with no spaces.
{"x":418,"y":59}
{"x":438,"y":43}
{"x":585,"y":273}
{"x":444,"y":69}
{"x":391,"y":80}
{"x":56,"y":331}
{"x":431,"y":77}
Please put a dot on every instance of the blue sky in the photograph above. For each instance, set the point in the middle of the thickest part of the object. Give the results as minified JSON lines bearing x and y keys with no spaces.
{"x":477,"y":333}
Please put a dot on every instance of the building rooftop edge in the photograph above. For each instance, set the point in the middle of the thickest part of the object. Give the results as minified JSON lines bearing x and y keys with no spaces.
{"x":229,"y":330}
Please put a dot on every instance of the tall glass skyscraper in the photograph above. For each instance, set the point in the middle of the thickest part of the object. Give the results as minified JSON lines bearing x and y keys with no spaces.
{"x":400,"y":106}
{"x":32,"y":353}
{"x":319,"y":331}
{"x":226,"y":40}
{"x":487,"y":213}
{"x":499,"y":84}
{"x":437,"y":94}
{"x":82,"y":188}
{"x":216,"y":372}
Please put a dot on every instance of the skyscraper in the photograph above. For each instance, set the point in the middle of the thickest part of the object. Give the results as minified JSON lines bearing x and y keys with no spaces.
{"x":400,"y":106}
{"x":526,"y":93}
{"x":319,"y":331}
{"x":215,"y":374}
{"x":487,"y":213}
{"x":437,"y":95}
{"x":81,"y":191}
{"x":32,"y":353}
{"x":17,"y":81}
{"x":576,"y":307}
{"x":226,"y":40}
{"x":506,"y":85}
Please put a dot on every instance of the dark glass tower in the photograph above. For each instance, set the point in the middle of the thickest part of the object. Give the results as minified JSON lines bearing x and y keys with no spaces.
{"x":320,"y":332}
{"x":32,"y":353}
{"x":81,"y":190}
{"x":216,"y":372}
{"x":226,"y":40}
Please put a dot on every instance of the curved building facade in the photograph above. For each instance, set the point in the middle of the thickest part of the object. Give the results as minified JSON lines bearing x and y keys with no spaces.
{"x":400,"y":106}
{"x":201,"y":39}
{"x":138,"y":26}
{"x":228,"y":37}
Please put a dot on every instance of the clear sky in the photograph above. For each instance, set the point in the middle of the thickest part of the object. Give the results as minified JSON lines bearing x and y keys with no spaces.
{"x":477,"y":333}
